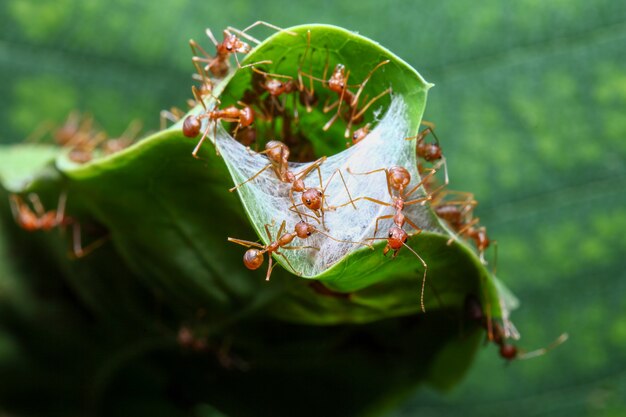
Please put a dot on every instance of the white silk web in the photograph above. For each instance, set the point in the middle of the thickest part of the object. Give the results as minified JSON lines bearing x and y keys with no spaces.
{"x":267,"y":199}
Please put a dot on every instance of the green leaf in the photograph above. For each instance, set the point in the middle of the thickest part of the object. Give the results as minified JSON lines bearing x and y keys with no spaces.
{"x":166,"y":216}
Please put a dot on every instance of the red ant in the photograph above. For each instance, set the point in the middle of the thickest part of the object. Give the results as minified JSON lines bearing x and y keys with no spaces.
{"x":428,"y":151}
{"x":276,"y":88}
{"x":398,"y":178}
{"x":192,"y":124}
{"x":232,"y":44}
{"x":360,"y":134}
{"x":312,"y":198}
{"x":40,"y":219}
{"x":496,"y":333}
{"x":457,"y":213}
{"x":254,"y":257}
{"x":338,"y":83}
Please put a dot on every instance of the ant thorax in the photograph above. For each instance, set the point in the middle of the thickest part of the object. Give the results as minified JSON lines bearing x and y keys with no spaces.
{"x":307,"y":197}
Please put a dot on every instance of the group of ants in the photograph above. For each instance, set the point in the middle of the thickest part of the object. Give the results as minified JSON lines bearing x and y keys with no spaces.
{"x":268,"y":95}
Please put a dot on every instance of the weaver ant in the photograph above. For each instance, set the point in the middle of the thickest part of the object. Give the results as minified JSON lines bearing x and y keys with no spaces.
{"x":192,"y":124}
{"x":232,"y":44}
{"x":398,"y":178}
{"x":458,"y":214}
{"x":497,"y":334}
{"x":428,"y":151}
{"x":360,"y":134}
{"x":254,"y":257}
{"x":40,"y":219}
{"x":276,"y":88}
{"x":338,"y":83}
{"x":312,"y":198}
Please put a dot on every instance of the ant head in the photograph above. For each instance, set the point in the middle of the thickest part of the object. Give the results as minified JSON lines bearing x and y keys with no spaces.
{"x":337,"y":81}
{"x":398,"y":177}
{"x":312,"y":198}
{"x":304,"y":229}
{"x":232,"y":44}
{"x":432,"y":152}
{"x":508,"y":352}
{"x":253,"y":258}
{"x":360,"y":134}
{"x":340,"y":70}
{"x":191,"y":126}
{"x":396,"y":238}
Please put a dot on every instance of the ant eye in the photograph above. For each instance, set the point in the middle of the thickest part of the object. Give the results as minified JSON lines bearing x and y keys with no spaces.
{"x":308,"y":201}
{"x":308,"y":233}
{"x":230,"y":48}
{"x":390,"y":234}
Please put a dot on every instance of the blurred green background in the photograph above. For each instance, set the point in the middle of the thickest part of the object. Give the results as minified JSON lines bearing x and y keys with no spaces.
{"x":530,"y":106}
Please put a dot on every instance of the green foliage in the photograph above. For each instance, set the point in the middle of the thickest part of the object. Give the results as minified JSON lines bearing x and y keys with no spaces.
{"x":162,"y":240}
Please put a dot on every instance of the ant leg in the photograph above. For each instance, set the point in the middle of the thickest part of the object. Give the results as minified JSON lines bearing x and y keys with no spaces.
{"x":246,"y":243}
{"x":210,"y":35}
{"x":363,"y":110}
{"x":15,"y":202}
{"x":289,"y":263}
{"x":328,"y":107}
{"x":355,"y":99}
{"x":413,"y":225}
{"x":78,"y":251}
{"x":270,"y":74}
{"x":423,"y":279}
{"x":269,"y":268}
{"x":265,"y":61}
{"x":463,"y":230}
{"x":559,"y":340}
{"x":61,"y":207}
{"x":299,"y":247}
{"x":281,"y":229}
{"x":261,"y":22}
{"x":344,"y":241}
{"x":315,"y":165}
{"x":423,"y":180}
{"x":294,"y":209}
{"x":344,"y":184}
{"x":390,"y":216}
{"x":197,"y":148}
{"x":373,"y":200}
{"x":166,"y":115}
{"x":372,"y":172}
{"x":36,"y":202}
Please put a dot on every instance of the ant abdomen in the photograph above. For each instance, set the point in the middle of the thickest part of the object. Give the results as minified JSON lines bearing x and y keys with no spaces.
{"x":191,"y":126}
{"x":253,"y":259}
